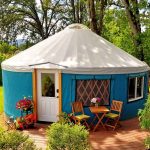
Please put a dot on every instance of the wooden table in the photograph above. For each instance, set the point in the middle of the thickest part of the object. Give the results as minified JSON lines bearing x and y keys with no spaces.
{"x":100,"y":110}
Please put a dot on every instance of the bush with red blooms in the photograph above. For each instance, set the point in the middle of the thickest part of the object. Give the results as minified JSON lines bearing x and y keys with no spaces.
{"x":24,"y":104}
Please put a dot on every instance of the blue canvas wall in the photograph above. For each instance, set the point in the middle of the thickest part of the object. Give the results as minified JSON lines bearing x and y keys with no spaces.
{"x":19,"y":84}
{"x":16,"y":85}
{"x":118,"y":91}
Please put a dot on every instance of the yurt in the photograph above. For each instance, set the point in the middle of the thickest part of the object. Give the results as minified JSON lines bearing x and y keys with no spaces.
{"x":74,"y":65}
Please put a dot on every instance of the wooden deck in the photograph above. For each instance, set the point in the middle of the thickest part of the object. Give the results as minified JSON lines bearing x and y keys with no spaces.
{"x":128,"y":137}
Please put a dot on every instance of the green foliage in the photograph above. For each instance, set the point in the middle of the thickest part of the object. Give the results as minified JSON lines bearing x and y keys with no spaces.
{"x":66,"y":137}
{"x":65,"y":118}
{"x":117,"y":31}
{"x":5,"y":48}
{"x":2,"y":58}
{"x":6,"y":51}
{"x":146,"y":45}
{"x":147,"y":142}
{"x":144,"y":115}
{"x":14,"y":140}
{"x":25,"y":45}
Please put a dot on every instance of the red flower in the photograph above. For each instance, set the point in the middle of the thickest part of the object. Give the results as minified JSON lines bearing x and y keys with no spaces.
{"x":24,"y":104}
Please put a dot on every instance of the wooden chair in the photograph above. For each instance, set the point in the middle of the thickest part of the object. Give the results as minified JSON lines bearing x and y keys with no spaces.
{"x":78,"y":114}
{"x":114,"y":115}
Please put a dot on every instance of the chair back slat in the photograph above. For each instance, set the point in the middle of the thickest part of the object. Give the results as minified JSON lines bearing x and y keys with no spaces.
{"x":116,"y":106}
{"x":77,"y":107}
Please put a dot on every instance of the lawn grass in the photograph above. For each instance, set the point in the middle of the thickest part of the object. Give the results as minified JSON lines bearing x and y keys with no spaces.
{"x":1,"y":100}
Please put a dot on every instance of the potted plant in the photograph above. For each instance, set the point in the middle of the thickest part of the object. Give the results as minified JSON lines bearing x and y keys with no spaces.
{"x":96,"y":101}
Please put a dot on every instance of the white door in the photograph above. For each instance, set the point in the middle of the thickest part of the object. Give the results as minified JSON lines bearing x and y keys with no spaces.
{"x":47,"y":91}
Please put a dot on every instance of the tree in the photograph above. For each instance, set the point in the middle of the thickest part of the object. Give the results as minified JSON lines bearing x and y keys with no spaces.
{"x":35,"y":20}
{"x":43,"y":19}
{"x":10,"y":25}
{"x":76,"y":11}
{"x":108,"y":18}
{"x":132,"y":9}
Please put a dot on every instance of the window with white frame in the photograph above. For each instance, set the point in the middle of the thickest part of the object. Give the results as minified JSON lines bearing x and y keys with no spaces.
{"x":135,"y":88}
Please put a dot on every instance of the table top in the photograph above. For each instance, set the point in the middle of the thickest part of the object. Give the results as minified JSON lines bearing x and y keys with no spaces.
{"x":99,"y":109}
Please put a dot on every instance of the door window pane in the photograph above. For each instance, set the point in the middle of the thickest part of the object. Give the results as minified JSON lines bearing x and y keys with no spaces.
{"x":48,"y":84}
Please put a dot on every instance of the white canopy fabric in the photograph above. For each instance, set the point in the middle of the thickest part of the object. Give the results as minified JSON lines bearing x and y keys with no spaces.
{"x":76,"y":49}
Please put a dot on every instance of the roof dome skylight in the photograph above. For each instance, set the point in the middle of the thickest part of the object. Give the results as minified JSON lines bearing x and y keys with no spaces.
{"x":77,"y":26}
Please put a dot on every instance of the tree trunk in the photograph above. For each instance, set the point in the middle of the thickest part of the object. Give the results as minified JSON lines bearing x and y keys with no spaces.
{"x":78,"y":12}
{"x":92,"y":16}
{"x":73,"y":11}
{"x":132,"y":12}
{"x":101,"y":15}
{"x":81,"y":11}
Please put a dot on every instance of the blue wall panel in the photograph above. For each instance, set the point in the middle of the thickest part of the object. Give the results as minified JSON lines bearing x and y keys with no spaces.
{"x":118,"y":91}
{"x":16,"y":85}
{"x":68,"y":92}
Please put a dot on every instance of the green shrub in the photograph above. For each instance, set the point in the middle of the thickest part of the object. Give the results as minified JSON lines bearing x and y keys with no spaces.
{"x":144,"y":117}
{"x":65,"y":118}
{"x":14,"y":140}
{"x":67,"y":137}
{"x":147,"y":142}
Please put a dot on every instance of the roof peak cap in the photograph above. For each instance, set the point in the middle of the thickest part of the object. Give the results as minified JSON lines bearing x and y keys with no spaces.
{"x":77,"y":26}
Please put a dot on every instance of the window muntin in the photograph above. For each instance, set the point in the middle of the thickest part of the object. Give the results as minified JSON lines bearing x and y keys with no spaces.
{"x":88,"y":89}
{"x":135,"y":90}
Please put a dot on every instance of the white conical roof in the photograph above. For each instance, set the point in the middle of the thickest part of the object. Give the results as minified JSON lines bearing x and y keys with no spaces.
{"x":76,"y":50}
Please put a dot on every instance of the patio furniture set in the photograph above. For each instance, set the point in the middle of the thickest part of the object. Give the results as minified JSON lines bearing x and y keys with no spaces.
{"x":101,"y":113}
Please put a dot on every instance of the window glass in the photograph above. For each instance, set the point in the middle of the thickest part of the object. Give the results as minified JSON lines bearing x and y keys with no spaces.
{"x":139,"y":86}
{"x":131,"y":88}
{"x":135,"y":88}
{"x":48,"y":84}
{"x":88,"y":89}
